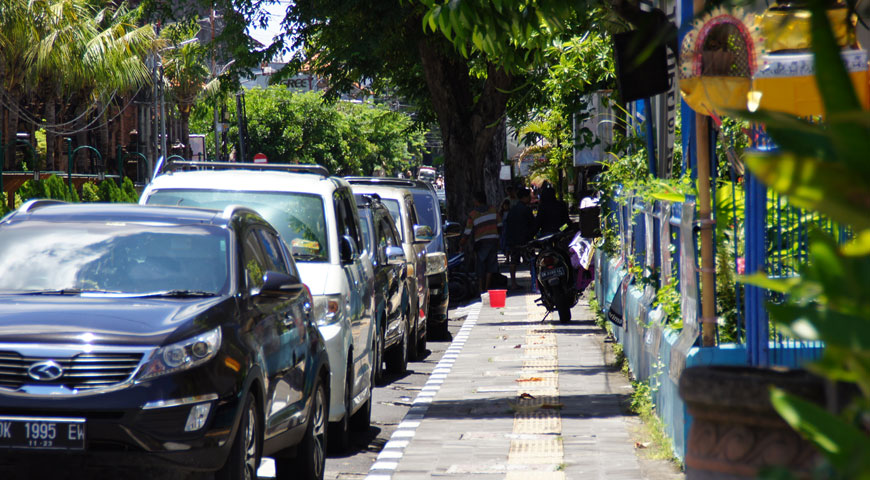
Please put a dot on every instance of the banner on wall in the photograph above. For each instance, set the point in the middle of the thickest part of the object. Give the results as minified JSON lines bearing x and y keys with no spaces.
{"x":595,"y":122}
{"x":667,"y":103}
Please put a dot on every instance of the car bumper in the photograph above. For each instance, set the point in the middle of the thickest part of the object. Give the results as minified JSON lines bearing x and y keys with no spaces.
{"x":121,"y":432}
{"x":337,"y":339}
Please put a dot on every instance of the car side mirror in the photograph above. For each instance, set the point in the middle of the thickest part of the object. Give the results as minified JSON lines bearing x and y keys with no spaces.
{"x":395,"y":256}
{"x":423,"y":233}
{"x":452,"y":229}
{"x":348,"y":249}
{"x":277,"y":284}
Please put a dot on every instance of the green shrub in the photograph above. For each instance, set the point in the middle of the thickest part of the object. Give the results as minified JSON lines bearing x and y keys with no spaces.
{"x":90,"y":192}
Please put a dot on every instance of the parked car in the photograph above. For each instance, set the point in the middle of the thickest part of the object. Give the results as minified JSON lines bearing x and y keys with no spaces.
{"x":428,"y":213}
{"x":391,"y":285}
{"x":414,"y":237}
{"x":169,"y":336}
{"x":317,"y":216}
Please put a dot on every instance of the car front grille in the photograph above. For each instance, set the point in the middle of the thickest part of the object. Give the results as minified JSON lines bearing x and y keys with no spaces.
{"x":85,"y":371}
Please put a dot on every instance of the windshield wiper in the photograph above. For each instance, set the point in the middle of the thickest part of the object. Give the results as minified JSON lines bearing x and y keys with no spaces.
{"x":62,"y":291}
{"x":305,"y":256}
{"x":180,"y":293}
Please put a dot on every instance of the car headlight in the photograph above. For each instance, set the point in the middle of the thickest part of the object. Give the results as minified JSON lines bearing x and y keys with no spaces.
{"x":436,"y":262}
{"x":327,"y":309}
{"x":181,"y":355}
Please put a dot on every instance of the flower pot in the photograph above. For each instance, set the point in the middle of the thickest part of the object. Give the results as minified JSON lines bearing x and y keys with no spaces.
{"x":735,"y":431}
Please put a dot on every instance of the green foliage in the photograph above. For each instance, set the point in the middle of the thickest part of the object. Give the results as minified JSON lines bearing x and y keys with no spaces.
{"x":347,"y":138}
{"x":824,"y":168}
{"x":52,"y":187}
{"x":90,"y":192}
{"x":109,"y":191}
{"x":669,"y":299}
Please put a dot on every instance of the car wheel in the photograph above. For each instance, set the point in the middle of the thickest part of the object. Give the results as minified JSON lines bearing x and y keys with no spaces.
{"x":339,"y":432}
{"x":378,"y":364}
{"x":397,"y":356}
{"x":310,"y":460}
{"x":413,"y":353}
{"x":244,"y":459}
{"x":362,"y":419}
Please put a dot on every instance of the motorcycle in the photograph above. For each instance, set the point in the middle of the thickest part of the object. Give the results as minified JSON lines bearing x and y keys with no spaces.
{"x":554,"y":274}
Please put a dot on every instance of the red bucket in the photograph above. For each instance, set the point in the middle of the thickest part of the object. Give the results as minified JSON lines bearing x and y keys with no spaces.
{"x":497,"y":298}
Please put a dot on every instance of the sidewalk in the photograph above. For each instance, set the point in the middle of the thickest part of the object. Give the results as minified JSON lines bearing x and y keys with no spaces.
{"x":514,"y":398}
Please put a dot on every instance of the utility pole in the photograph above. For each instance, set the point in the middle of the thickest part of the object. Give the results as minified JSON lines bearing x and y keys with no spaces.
{"x":242,"y":117}
{"x":217,"y":141}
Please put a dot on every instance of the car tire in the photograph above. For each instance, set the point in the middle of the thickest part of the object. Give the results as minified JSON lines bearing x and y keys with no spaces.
{"x":339,"y":432}
{"x":362,"y":419}
{"x":245,"y":452}
{"x":310,"y":460}
{"x":414,"y":341}
{"x":397,"y":355}
{"x":378,"y":351}
{"x":439,"y":330}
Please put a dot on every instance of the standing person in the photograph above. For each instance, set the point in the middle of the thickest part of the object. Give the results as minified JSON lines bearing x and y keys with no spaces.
{"x":503,"y":211}
{"x":482,"y":227}
{"x":552,"y":213}
{"x":511,"y":197}
{"x":519,"y":230}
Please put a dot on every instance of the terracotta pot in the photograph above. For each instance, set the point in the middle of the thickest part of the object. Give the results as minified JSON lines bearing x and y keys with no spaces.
{"x":735,"y":431}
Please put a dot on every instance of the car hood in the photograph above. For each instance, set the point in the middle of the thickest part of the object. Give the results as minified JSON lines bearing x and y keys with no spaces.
{"x":315,"y":276}
{"x":102,"y":320}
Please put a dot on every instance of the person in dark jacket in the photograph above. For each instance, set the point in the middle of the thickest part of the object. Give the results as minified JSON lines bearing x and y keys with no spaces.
{"x":519,"y":230}
{"x":552,"y":213}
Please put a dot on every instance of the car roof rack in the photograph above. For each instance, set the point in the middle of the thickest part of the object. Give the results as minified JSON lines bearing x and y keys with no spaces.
{"x":34,"y":204}
{"x":368,"y":198}
{"x":390,"y":181}
{"x":279,"y":167}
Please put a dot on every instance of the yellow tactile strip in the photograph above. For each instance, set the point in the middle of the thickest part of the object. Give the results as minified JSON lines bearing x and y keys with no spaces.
{"x":537,"y":453}
{"x":538,"y":422}
{"x":529,"y":451}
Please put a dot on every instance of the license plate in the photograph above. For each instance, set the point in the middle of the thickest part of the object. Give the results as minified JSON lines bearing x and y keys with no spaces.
{"x":553,"y":272}
{"x":42,"y":433}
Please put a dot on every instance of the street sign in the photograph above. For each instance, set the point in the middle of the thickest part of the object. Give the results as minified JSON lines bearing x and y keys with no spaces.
{"x":260,"y":158}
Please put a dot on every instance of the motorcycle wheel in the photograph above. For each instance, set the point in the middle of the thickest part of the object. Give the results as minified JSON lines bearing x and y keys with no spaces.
{"x":564,"y":308}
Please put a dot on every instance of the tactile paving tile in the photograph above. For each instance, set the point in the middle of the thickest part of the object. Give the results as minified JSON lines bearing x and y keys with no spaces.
{"x":542,"y":380}
{"x":540,"y":351}
{"x":538,"y":422}
{"x":541,"y":339}
{"x":550,"y":364}
{"x":546,"y":449}
{"x":527,"y":405}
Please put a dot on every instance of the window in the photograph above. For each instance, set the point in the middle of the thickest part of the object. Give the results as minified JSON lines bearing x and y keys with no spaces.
{"x":254,"y":260}
{"x":272,"y":250}
{"x":347,"y":218}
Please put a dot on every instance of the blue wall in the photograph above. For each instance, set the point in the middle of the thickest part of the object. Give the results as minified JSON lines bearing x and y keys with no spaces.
{"x":648,"y":346}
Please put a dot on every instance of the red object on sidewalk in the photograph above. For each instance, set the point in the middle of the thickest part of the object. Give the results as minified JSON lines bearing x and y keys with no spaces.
{"x":497,"y":298}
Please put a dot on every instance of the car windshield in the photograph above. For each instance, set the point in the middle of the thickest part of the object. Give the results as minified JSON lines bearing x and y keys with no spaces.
{"x":298,"y":217}
{"x":427,"y":213}
{"x":112,"y":257}
{"x":393,"y":207}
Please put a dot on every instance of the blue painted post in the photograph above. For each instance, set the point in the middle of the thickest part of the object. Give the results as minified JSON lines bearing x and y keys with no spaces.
{"x":650,"y":136}
{"x":757,"y":346}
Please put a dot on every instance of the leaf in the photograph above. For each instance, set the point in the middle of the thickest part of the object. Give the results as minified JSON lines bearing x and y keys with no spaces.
{"x":859,"y":245}
{"x":761,"y":280}
{"x":846,"y":447}
{"x":830,"y":188}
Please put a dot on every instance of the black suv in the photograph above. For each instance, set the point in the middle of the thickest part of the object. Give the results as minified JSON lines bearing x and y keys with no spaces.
{"x":157,"y":335}
{"x":391,"y":285}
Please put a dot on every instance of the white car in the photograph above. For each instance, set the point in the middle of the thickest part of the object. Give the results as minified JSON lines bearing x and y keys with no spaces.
{"x":317,"y":217}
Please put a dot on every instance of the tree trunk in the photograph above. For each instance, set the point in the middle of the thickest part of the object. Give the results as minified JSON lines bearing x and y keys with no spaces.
{"x":184,"y":113}
{"x":103,"y":137}
{"x":468,"y":125}
{"x":81,"y":163}
{"x":51,"y":147}
{"x":10,"y":131}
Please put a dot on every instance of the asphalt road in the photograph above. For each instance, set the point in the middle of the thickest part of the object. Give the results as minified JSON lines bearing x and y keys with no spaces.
{"x":392,"y":400}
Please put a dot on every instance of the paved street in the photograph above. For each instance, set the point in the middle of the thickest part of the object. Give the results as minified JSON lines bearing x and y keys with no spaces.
{"x":509,"y":398}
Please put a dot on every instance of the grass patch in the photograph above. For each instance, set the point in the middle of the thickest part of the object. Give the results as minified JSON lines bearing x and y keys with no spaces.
{"x":654,"y":440}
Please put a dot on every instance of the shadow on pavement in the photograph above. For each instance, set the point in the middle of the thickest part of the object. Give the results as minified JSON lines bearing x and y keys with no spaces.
{"x":579,"y":406}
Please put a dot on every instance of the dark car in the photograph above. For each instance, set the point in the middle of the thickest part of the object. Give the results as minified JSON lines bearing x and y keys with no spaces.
{"x":429,"y":214}
{"x":391,"y":286}
{"x":164,"y":336}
